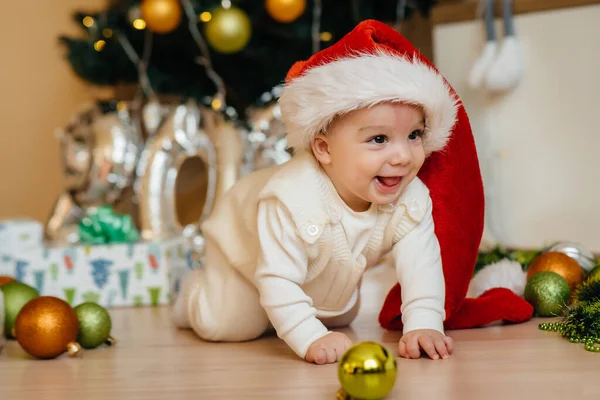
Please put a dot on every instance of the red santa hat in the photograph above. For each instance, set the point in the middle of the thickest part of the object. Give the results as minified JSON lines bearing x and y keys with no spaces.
{"x":375,"y":64}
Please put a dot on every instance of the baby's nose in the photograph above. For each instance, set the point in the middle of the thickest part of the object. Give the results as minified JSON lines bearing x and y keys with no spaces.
{"x":400,"y":157}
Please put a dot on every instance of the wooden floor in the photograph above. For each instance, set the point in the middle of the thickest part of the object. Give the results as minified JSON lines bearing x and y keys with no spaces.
{"x":154,"y":361}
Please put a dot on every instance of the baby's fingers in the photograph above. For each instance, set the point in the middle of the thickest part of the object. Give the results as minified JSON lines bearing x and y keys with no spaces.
{"x":412,"y":347}
{"x":402,"y":350}
{"x":427,"y":344}
{"x":331,"y":355}
{"x":318,"y":356}
{"x":449,"y":344}
{"x":441,"y":348}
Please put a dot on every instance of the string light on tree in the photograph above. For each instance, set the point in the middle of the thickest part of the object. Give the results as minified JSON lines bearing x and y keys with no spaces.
{"x":99,"y":45}
{"x":285,"y":10}
{"x":88,"y":21}
{"x":205,"y":16}
{"x":216,"y":104}
{"x":161,"y":16}
{"x":139,"y":24}
{"x":134,"y":15}
{"x":326,"y":36}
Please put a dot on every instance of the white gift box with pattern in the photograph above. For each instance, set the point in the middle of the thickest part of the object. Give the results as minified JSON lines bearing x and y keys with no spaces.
{"x":17,"y":235}
{"x":112,"y":275}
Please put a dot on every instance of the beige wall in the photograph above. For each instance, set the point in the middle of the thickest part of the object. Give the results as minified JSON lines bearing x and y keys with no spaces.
{"x":539,"y":144}
{"x":39,"y":93}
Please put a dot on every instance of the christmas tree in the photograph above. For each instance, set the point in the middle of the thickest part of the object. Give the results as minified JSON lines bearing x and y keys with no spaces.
{"x":195,"y":48}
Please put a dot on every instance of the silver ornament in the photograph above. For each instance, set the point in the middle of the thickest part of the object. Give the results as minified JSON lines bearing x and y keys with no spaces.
{"x":182,"y":140}
{"x":578,"y":252}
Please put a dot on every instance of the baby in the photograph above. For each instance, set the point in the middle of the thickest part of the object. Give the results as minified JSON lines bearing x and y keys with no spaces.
{"x":287,"y":246}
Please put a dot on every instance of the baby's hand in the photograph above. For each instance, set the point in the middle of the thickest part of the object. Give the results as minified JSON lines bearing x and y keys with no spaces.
{"x":434,"y":343}
{"x":328,"y":349}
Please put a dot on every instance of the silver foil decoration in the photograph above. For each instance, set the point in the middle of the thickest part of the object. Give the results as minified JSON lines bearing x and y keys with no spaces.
{"x":62,"y":225}
{"x":154,"y":115}
{"x":182,"y":136}
{"x":267,"y":144}
{"x":101,"y":146}
{"x":578,"y":252}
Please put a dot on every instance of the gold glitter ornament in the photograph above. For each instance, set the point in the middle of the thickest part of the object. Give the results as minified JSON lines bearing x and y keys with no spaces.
{"x":46,"y":327}
{"x":367,"y":371}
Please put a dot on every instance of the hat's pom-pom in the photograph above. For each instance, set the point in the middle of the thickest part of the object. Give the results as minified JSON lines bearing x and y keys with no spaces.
{"x":502,"y":274}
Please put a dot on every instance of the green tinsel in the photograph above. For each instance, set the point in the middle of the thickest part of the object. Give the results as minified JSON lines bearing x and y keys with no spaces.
{"x":523,"y":257}
{"x":582,"y":322}
{"x":588,"y":291}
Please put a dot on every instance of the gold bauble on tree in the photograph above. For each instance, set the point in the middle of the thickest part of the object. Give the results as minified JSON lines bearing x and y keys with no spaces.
{"x":47,"y":327}
{"x":229,"y":30}
{"x":161,"y":16}
{"x":367,"y":371}
{"x":560,"y":263}
{"x":285,"y":10}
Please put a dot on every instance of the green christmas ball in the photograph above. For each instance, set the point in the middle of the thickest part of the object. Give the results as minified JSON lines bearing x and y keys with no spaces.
{"x":16,"y":295}
{"x":549,"y":293}
{"x":94,"y":325}
{"x":594,"y":273}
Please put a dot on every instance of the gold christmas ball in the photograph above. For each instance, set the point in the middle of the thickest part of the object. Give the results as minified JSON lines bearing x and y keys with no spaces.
{"x":560,"y":263}
{"x":161,"y":16}
{"x":46,"y":327}
{"x":367,"y":371}
{"x":229,"y":30}
{"x":285,"y":10}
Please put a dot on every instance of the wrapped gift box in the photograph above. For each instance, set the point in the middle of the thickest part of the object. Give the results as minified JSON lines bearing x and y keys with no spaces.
{"x":112,"y":275}
{"x":17,"y":236}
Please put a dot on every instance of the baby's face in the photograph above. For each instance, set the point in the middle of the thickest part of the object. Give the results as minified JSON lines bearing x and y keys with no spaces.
{"x":373,"y":154}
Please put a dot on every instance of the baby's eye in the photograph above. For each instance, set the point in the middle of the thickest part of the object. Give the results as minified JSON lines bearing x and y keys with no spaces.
{"x":379,"y":139}
{"x":416,"y":134}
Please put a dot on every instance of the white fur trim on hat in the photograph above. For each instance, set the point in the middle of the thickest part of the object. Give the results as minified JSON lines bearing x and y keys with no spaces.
{"x":311,"y":101}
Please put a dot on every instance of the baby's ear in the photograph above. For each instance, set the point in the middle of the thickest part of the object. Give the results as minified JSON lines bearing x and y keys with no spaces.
{"x":320,"y":148}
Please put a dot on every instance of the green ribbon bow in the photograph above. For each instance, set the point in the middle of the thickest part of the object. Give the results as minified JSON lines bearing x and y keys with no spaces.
{"x":102,"y":225}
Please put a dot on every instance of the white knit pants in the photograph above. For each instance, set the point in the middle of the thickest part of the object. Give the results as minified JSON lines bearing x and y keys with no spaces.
{"x":219,"y":304}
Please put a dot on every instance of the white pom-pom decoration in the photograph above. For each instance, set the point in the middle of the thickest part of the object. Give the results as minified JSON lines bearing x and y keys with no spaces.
{"x":507,"y":69}
{"x":482,"y":64}
{"x":505,"y":274}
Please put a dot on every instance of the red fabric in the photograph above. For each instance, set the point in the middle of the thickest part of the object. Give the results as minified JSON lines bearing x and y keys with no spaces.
{"x":454,"y":179}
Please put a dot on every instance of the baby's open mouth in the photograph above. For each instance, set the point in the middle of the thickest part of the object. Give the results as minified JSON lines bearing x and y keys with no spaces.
{"x":388,"y":181}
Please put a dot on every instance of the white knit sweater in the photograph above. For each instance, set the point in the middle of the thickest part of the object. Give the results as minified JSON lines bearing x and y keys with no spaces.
{"x":289,"y":233}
